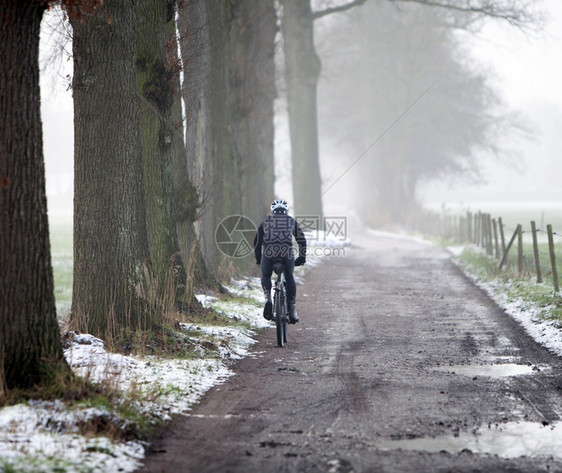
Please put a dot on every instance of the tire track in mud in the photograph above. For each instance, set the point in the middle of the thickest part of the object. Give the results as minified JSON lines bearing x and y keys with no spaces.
{"x":351,"y":380}
{"x":393,"y":349}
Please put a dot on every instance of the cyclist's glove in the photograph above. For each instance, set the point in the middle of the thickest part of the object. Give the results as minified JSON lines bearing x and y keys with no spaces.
{"x":300,"y":261}
{"x":258,"y":262}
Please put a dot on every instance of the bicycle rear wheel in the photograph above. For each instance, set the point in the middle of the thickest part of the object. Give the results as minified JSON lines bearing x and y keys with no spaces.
{"x":285,"y":315}
{"x":279,"y":317}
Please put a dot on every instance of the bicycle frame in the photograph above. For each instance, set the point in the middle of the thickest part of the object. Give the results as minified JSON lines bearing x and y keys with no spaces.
{"x":280,"y":305}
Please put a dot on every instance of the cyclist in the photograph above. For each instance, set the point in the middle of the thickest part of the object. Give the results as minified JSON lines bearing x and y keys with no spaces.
{"x":276,"y":234}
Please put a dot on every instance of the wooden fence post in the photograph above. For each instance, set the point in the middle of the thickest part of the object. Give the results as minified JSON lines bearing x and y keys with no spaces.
{"x":552,"y":257}
{"x":496,"y":242}
{"x":478,"y":223}
{"x":536,"y":252}
{"x":489,"y":247}
{"x":456,"y":224}
{"x":505,"y":253}
{"x":500,"y":224}
{"x":519,"y":249}
{"x":483,"y":232}
{"x":468,"y":227}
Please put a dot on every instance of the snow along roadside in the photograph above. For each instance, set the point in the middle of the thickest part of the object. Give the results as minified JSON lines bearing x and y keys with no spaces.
{"x":533,"y":317}
{"x":43,"y":436}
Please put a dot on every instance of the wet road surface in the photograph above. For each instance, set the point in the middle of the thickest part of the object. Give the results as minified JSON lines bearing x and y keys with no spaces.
{"x":399,"y":364}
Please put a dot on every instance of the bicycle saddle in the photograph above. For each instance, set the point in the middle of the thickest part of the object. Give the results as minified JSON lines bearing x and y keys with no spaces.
{"x":278,"y":266}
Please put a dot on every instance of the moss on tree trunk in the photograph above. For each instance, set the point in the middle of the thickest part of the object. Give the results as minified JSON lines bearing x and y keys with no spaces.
{"x":112,"y":287}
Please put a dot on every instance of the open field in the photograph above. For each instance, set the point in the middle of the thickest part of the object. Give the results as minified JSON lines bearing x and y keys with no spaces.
{"x":512,"y":213}
{"x":61,"y":255}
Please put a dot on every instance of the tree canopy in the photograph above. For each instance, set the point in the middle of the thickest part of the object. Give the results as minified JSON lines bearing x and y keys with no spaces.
{"x":404,"y":96}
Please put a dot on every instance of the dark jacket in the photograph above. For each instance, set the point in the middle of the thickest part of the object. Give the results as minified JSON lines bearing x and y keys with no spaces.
{"x":276,"y":234}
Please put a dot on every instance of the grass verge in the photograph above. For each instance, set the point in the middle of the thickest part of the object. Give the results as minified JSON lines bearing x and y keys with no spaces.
{"x":513,"y":288}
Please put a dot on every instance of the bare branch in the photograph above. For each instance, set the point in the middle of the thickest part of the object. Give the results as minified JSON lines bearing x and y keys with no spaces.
{"x":341,"y":8}
{"x":516,"y":13}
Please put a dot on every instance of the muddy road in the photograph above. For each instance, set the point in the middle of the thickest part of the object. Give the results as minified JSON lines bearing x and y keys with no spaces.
{"x":399,"y":364}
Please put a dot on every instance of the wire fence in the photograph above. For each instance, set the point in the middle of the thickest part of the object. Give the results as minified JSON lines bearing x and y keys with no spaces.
{"x":525,"y":247}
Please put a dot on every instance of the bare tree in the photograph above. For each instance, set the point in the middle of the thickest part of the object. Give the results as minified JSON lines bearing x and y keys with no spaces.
{"x":418,"y":110}
{"x":189,"y":158}
{"x":29,"y":334}
{"x":521,"y":14}
{"x":227,"y":50}
{"x":303,"y":69}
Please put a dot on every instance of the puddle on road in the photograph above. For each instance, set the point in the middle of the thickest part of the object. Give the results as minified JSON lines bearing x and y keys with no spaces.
{"x":493,"y":371}
{"x":510,"y":440}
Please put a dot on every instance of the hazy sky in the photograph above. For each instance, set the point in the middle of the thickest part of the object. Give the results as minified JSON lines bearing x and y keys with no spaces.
{"x":57,"y":113}
{"x":528,"y":72}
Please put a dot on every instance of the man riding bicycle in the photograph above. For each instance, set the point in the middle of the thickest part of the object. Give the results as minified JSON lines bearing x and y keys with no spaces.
{"x":276,"y":234}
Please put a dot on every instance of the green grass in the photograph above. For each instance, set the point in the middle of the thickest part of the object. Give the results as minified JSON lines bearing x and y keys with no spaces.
{"x":241,"y":300}
{"x":512,"y":214}
{"x":61,"y":259}
{"x":6,"y":467}
{"x":77,"y":392}
{"x":478,"y":264}
{"x":510,"y":269}
{"x":128,"y":420}
{"x":513,"y":287}
{"x":522,"y":286}
{"x":42,"y":465}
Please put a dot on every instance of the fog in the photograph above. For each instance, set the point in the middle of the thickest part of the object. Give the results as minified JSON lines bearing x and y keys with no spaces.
{"x":524,"y":70}
{"x":528,"y":73}
{"x":57,"y":113}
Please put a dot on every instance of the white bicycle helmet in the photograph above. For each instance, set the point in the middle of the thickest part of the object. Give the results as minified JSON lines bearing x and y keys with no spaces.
{"x":279,"y":206}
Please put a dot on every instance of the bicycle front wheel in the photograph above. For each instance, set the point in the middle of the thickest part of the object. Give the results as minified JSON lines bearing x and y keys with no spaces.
{"x":285,"y":316}
{"x":280,"y":320}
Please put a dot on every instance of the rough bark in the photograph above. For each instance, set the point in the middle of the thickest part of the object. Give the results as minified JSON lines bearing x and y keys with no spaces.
{"x":253,"y":73}
{"x":194,"y":28}
{"x":227,"y":49}
{"x":158,"y":83}
{"x":112,"y":273}
{"x":302,"y":70}
{"x":188,"y":157}
{"x":224,"y":195}
{"x":29,"y":334}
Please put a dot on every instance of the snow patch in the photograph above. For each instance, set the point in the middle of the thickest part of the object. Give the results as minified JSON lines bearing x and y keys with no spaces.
{"x":528,"y":314}
{"x":45,"y":436}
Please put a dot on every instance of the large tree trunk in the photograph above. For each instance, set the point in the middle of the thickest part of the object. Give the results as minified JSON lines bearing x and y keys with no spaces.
{"x":29,"y":333}
{"x":194,"y":28}
{"x":189,"y":157}
{"x":389,"y":176}
{"x":158,"y":83}
{"x":253,"y":69}
{"x":223,"y":195}
{"x":111,"y":259}
{"x":227,"y":49}
{"x":302,"y":70}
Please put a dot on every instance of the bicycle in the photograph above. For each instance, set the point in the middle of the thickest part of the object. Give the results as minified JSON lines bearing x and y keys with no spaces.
{"x":280,"y":312}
